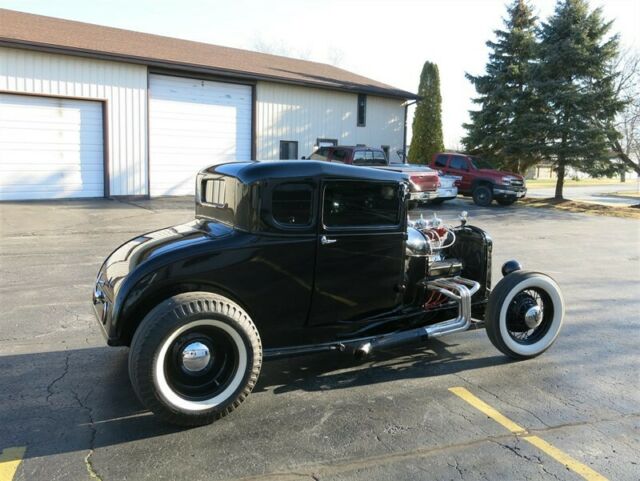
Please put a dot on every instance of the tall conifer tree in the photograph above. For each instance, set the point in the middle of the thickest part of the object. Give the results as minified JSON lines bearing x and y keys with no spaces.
{"x":576,"y":83}
{"x":506,"y":128}
{"x":427,"y":121}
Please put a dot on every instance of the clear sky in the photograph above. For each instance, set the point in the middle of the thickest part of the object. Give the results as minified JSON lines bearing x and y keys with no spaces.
{"x":384,"y":40}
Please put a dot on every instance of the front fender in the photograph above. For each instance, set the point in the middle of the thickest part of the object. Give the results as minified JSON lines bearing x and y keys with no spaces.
{"x":147,"y":263}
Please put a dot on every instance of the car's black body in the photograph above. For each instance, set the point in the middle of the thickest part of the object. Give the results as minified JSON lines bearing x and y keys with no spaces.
{"x":287,"y":258}
{"x":296,"y":290}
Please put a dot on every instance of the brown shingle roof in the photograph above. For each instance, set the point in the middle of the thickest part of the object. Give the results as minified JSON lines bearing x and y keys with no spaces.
{"x":40,"y":32}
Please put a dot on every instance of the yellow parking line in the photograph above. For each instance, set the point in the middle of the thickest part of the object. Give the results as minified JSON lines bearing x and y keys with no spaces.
{"x":574,"y":465}
{"x":9,"y":461}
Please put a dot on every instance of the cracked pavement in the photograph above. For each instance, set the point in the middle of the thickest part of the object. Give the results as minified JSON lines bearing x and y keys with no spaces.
{"x":67,"y":398}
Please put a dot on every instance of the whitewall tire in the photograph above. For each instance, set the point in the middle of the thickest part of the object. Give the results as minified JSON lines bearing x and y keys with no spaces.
{"x":524,"y":314}
{"x":194,"y":358}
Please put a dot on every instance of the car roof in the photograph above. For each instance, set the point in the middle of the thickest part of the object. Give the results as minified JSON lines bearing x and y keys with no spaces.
{"x":252,"y":171}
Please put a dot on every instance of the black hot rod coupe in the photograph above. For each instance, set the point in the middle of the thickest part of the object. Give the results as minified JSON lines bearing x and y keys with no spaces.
{"x":289,"y":258}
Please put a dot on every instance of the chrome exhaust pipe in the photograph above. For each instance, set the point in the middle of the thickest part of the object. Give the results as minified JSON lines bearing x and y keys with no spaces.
{"x":457,"y":288}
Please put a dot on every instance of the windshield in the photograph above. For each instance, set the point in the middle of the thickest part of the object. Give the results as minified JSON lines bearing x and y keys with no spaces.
{"x":321,"y":154}
{"x":480,"y":163}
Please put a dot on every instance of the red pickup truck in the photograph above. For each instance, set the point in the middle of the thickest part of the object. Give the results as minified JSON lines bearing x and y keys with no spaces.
{"x":480,"y":180}
{"x":423,"y":181}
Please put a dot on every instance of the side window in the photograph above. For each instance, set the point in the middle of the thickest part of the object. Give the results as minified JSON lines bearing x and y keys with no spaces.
{"x":459,"y":163}
{"x":288,"y":149}
{"x":360,"y":157}
{"x":441,"y":161}
{"x":291,"y":204}
{"x":339,"y":155}
{"x":379,"y":158}
{"x":361,"y":204}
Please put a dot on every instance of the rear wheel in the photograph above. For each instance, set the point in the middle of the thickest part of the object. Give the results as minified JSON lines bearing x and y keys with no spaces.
{"x":482,"y":195}
{"x":194,"y":358}
{"x":506,"y":201}
{"x":524,"y":314}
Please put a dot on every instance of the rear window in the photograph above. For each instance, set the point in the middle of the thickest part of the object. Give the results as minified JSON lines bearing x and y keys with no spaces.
{"x":361,"y":204}
{"x":379,"y":158}
{"x":291,"y":204}
{"x":362,"y":157}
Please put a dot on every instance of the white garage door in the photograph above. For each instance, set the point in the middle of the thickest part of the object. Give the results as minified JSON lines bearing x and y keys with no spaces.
{"x":192,"y":124}
{"x":50,"y":148}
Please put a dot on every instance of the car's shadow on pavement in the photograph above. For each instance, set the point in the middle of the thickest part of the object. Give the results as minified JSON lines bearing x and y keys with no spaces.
{"x":66,"y":401}
{"x":329,"y":371}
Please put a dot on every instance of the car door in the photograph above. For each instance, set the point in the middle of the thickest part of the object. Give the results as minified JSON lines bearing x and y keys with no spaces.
{"x":359,"y":258}
{"x":459,"y":165}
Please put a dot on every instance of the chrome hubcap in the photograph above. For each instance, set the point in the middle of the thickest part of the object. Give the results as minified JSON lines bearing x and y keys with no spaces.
{"x":195,"y":357}
{"x":533,"y":317}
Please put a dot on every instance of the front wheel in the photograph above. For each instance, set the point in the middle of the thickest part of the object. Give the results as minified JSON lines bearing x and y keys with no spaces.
{"x":524,"y":314}
{"x":194,"y":358}
{"x":482,"y":195}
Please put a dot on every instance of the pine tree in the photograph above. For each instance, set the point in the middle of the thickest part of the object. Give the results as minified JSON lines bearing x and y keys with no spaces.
{"x":427,"y":121}
{"x":506,"y":128}
{"x":577,"y":85}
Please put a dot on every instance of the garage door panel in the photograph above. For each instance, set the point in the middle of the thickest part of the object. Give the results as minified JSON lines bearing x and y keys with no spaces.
{"x":193,"y":124}
{"x":50,"y":148}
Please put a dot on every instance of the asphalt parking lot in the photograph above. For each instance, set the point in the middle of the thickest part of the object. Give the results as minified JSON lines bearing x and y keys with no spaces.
{"x":67,"y":410}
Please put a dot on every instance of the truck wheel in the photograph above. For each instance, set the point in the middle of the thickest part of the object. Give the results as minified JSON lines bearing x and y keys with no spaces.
{"x":482,"y":195}
{"x":194,"y":358}
{"x":508,"y":201}
{"x":524,"y":314}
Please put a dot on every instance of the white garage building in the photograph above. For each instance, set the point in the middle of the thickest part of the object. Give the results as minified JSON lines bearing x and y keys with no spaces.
{"x":92,"y":111}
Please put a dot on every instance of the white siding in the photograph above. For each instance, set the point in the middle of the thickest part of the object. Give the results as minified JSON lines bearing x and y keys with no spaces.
{"x":123,"y":86}
{"x":303,"y":114}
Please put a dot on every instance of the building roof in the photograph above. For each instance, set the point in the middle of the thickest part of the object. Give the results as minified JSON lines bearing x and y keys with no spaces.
{"x":252,"y":171}
{"x":66,"y":36}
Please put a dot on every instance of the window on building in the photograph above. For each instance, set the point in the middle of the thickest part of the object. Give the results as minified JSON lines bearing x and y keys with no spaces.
{"x":361,"y":204}
{"x":326,"y":142}
{"x":291,"y":204}
{"x":362,"y":110}
{"x":441,"y":161}
{"x":288,"y":149}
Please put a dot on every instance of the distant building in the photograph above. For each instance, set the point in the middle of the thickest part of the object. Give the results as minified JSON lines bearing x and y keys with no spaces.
{"x":92,"y":111}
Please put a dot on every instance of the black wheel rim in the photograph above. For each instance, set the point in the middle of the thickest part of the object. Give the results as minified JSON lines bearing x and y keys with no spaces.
{"x":211,"y":380}
{"x":482,"y":196}
{"x":521,"y":303}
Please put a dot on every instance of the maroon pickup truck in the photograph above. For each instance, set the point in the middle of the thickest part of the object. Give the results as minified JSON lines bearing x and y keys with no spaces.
{"x":423,"y":181}
{"x":480,"y":180}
